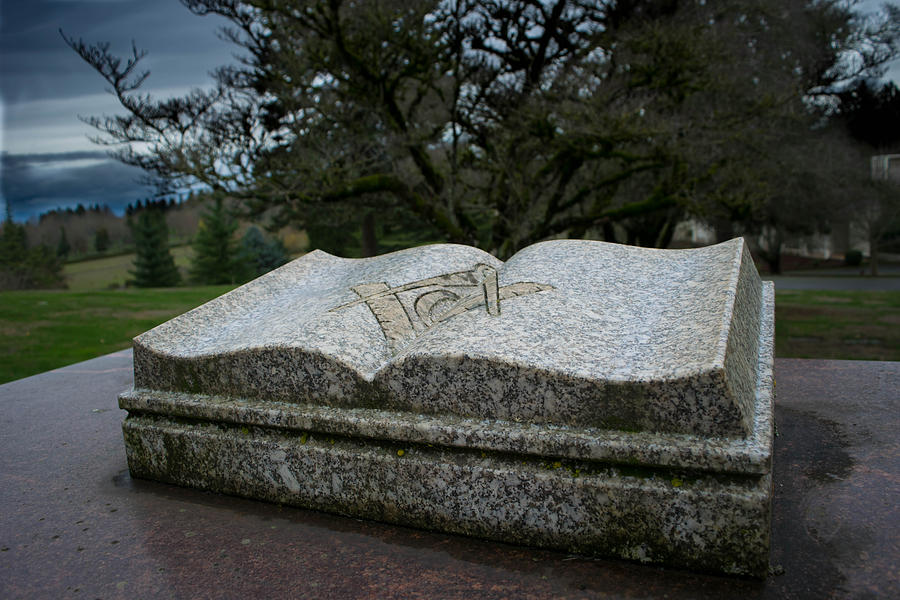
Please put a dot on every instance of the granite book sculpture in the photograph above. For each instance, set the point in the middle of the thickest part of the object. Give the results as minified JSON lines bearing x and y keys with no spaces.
{"x":591,"y":397}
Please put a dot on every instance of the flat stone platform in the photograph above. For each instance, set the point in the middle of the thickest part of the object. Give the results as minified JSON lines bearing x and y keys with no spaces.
{"x":74,"y":524}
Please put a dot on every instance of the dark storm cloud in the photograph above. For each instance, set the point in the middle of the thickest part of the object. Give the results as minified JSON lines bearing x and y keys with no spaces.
{"x":22,"y":160}
{"x":36,"y":64}
{"x":48,"y":161}
{"x":36,"y":183}
{"x":45,"y":86}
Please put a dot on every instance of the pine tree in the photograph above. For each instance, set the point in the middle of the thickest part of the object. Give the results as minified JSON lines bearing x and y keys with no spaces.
{"x":217,"y":258}
{"x":13,"y":243}
{"x":101,"y":240}
{"x":262,"y":254}
{"x":153,"y":263}
{"x":871,"y":114}
{"x":63,"y":247}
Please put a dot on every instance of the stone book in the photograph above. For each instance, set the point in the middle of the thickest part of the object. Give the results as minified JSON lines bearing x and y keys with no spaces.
{"x":586,"y":396}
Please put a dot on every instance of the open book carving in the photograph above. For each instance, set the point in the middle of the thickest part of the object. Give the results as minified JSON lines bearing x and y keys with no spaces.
{"x":587,"y":396}
{"x":408,"y":309}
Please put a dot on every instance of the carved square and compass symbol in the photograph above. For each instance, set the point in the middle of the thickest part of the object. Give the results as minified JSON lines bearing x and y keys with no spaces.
{"x":408,"y":310}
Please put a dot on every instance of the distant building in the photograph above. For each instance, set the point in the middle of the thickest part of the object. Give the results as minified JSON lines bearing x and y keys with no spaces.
{"x":886,"y":167}
{"x":843,"y":235}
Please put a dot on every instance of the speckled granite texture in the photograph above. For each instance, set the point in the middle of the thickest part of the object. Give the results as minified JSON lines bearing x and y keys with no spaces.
{"x":593,"y":397}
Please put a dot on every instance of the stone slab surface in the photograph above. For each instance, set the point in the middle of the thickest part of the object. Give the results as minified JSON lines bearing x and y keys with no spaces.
{"x":74,"y":524}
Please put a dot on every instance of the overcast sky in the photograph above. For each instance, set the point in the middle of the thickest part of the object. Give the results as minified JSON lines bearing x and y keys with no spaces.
{"x":47,"y":160}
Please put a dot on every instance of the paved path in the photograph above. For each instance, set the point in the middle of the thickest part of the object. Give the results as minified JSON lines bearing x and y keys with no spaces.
{"x":840,"y":278}
{"x":836,"y":282}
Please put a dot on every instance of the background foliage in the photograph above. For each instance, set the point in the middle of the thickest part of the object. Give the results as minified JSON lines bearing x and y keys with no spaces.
{"x":499,"y":123}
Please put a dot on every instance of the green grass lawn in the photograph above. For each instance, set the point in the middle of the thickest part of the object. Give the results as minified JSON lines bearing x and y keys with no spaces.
{"x":843,"y":325}
{"x":113,"y":271}
{"x":43,"y":330}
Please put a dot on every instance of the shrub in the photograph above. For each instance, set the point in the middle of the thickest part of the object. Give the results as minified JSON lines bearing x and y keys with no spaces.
{"x":101,"y":240}
{"x":260,"y":253}
{"x":853,"y":258}
{"x":23,"y":267}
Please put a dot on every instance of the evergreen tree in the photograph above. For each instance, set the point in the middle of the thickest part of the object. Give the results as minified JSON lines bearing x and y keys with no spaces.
{"x":13,"y":244}
{"x":153,"y":263}
{"x":101,"y":240}
{"x":63,"y":248}
{"x":871,"y":114}
{"x":217,"y":258}
{"x":260,"y":253}
{"x":22,"y":267}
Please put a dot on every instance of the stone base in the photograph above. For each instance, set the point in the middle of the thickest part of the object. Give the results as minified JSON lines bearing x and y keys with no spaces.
{"x":696,"y":501}
{"x":696,"y":519}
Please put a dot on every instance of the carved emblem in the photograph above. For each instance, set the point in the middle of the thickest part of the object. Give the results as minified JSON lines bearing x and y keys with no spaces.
{"x":406,"y":311}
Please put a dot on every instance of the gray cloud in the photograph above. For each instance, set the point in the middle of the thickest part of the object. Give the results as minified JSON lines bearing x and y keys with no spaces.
{"x":35,"y":63}
{"x":44,"y":85}
{"x":35,"y":183}
{"x":22,"y":160}
{"x":48,"y":160}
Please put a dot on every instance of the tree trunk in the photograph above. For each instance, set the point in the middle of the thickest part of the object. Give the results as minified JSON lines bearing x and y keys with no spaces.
{"x":369,"y":240}
{"x":664,"y":238}
{"x":873,"y":255}
{"x":609,"y":232}
{"x":774,"y":260}
{"x":774,"y":242}
{"x":724,"y":230}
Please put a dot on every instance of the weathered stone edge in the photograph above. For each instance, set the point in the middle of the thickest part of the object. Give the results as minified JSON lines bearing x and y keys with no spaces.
{"x":762,"y":438}
{"x":549,"y":441}
{"x":741,"y":359}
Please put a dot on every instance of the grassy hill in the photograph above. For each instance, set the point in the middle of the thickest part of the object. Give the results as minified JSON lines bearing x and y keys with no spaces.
{"x":113,"y":271}
{"x":43,"y":330}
